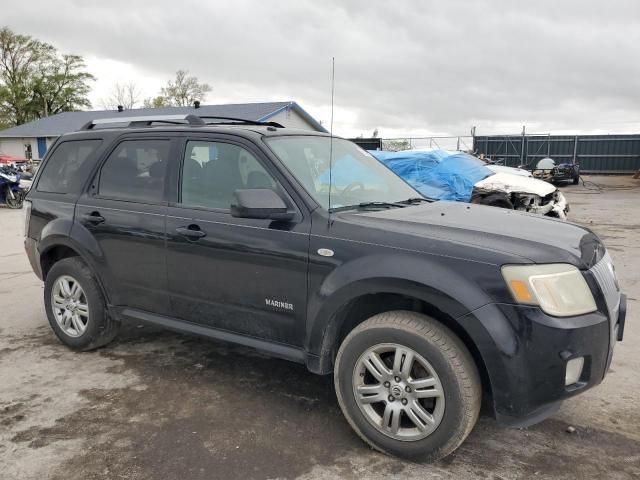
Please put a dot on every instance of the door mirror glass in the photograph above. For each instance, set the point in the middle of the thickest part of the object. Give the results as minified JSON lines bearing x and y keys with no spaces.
{"x":259,"y":203}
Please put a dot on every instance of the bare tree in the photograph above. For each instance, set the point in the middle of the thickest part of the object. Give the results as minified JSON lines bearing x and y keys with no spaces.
{"x":125,"y":94}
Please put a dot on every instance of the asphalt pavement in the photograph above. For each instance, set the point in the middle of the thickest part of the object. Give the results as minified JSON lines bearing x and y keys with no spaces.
{"x":157,"y":405}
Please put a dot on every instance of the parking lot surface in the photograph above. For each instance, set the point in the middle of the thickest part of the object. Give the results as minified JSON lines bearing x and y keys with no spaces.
{"x":157,"y":405}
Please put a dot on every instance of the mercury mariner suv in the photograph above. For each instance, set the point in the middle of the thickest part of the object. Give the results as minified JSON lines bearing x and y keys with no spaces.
{"x":236,"y":230}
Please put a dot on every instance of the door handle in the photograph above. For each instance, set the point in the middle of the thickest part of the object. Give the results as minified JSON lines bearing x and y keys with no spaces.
{"x":192,"y":231}
{"x":93,"y":217}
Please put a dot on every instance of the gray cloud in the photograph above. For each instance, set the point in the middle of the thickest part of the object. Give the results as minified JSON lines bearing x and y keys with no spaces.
{"x":404,"y":66}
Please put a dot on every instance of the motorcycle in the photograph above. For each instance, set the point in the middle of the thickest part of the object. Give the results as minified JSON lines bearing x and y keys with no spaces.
{"x":11,"y":192}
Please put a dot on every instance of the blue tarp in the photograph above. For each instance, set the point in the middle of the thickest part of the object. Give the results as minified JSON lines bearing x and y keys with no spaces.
{"x":437,"y":173}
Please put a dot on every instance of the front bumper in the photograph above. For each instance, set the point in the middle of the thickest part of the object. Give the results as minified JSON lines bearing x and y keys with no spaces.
{"x":560,"y":208}
{"x":525,"y":353}
{"x":554,"y":207}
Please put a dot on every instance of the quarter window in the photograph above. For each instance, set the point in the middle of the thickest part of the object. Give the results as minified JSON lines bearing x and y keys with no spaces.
{"x":212,"y":171}
{"x":67,"y":168}
{"x":135,"y":171}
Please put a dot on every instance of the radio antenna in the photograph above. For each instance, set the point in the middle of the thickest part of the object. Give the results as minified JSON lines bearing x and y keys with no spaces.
{"x":333,"y":83}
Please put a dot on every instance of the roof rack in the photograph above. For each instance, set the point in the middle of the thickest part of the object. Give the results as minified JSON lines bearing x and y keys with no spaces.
{"x":186,"y":119}
{"x":145,"y":121}
{"x":234,"y":120}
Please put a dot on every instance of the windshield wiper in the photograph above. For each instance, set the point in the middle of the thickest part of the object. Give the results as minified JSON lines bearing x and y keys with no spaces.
{"x":382,"y":204}
{"x":414,"y":200}
{"x":365,"y":205}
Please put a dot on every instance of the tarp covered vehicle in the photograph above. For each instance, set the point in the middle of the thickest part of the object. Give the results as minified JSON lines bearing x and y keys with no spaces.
{"x":461,"y":177}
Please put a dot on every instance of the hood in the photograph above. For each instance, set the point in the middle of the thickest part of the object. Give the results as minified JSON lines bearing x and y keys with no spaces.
{"x":506,"y":182}
{"x":511,"y":170}
{"x":533,"y":238}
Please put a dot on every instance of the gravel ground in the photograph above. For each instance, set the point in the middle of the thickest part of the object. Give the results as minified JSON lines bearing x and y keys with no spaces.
{"x":160,"y":405}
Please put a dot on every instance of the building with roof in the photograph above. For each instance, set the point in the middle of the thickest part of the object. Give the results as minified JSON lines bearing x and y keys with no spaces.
{"x":34,"y":138}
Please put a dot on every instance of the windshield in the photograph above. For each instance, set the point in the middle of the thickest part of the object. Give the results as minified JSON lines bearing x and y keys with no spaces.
{"x":356,"y":177}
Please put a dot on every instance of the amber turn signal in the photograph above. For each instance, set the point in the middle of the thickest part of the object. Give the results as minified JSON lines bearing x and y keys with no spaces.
{"x":521,"y":291}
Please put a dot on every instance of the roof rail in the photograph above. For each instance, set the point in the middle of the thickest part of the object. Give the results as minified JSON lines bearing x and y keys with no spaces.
{"x":238,"y":120}
{"x":145,"y":121}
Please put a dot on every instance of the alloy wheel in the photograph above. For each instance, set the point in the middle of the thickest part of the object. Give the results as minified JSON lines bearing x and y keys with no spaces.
{"x":70,"y":306}
{"x":398,"y":391}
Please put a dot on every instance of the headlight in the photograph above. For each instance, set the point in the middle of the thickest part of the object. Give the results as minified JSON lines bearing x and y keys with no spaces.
{"x":559,"y":289}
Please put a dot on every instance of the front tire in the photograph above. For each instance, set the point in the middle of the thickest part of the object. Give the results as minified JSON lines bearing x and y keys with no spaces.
{"x":76,"y":307}
{"x":408,"y":386}
{"x":497,"y":200}
{"x":15,"y":201}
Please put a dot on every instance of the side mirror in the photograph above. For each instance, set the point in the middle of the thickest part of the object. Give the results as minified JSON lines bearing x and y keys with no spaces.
{"x":259,"y":203}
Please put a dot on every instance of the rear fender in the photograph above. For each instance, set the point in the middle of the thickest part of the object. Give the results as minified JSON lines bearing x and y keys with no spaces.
{"x":79,"y":239}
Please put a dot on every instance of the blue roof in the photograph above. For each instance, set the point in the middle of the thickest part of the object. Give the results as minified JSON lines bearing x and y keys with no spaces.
{"x":66,"y":122}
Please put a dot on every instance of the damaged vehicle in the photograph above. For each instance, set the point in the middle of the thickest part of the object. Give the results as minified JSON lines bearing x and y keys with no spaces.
{"x":548,"y":170}
{"x":460,"y":177}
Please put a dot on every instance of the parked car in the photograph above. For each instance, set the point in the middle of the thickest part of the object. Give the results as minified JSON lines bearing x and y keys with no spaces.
{"x":499,"y":166}
{"x":419,"y":308}
{"x":461,"y":177}
{"x":511,"y":170}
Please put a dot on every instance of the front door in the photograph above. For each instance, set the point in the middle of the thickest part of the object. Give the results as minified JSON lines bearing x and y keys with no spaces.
{"x":247,"y":276}
{"x":124,"y":212}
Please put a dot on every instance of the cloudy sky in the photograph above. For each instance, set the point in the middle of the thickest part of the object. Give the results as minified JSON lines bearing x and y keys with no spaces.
{"x":404,"y":67}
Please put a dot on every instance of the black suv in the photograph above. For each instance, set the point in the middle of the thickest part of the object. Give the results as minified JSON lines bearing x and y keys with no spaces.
{"x":304,"y":246}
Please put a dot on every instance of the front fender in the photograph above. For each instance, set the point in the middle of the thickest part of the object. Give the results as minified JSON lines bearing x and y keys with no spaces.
{"x":442,"y":282}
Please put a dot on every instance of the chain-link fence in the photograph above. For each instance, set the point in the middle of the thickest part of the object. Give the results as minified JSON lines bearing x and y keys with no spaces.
{"x":462,"y":142}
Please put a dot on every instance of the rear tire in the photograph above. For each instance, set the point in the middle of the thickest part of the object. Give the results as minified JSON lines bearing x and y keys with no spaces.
{"x":76,"y":307}
{"x":440,"y":360}
{"x":575,"y":180}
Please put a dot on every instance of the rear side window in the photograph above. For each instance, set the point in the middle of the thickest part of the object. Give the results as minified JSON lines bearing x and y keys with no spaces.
{"x":135,"y":171}
{"x":67,"y":168}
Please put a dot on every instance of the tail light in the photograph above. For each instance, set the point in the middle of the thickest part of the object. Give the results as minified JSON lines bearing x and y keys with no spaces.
{"x":26,"y":208}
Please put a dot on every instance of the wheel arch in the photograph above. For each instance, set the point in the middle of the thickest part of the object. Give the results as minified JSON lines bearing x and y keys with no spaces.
{"x":380,"y":295}
{"x":57,"y":247}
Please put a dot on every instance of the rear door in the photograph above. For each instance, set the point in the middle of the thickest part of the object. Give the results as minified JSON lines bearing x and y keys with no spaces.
{"x":123,"y":216}
{"x":243,"y":275}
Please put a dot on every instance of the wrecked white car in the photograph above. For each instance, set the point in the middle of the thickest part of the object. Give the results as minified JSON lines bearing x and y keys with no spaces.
{"x":512,"y":170}
{"x":458,"y":176}
{"x":520,"y":193}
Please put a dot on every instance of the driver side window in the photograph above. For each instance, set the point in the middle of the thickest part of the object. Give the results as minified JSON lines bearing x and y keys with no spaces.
{"x":213,"y":171}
